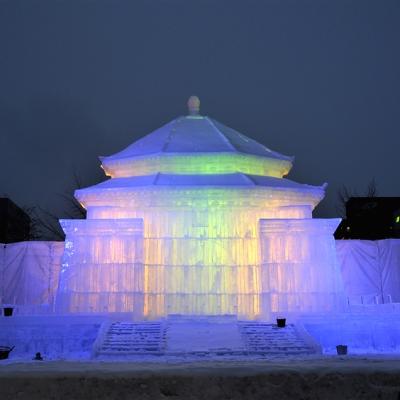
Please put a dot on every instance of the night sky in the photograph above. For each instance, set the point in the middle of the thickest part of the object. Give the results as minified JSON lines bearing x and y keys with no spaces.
{"x":319,"y":80}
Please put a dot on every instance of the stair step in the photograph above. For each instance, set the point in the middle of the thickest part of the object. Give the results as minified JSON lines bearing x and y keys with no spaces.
{"x":123,"y":338}
{"x":260,"y":339}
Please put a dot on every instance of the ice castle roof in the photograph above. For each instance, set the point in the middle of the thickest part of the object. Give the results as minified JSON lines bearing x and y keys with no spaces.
{"x":193,"y":134}
{"x":237,"y":179}
{"x":194,"y":152}
{"x":171,"y":182}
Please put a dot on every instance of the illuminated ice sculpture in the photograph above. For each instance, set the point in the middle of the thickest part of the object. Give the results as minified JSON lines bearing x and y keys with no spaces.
{"x":197,"y":219}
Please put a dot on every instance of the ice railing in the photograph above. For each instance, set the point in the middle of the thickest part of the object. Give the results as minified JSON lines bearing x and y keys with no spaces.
{"x":372,"y":303}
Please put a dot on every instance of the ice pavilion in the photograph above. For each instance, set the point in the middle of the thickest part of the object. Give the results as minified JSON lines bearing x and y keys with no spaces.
{"x":198,"y":219}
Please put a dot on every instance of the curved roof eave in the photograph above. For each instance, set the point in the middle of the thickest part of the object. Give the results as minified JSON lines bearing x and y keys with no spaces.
{"x":223,"y":181}
{"x":190,"y":154}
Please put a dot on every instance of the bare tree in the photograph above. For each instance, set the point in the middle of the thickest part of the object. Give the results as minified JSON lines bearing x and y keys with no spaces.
{"x":372,"y":190}
{"x":344,"y":194}
{"x":45,"y":224}
{"x":35,"y":225}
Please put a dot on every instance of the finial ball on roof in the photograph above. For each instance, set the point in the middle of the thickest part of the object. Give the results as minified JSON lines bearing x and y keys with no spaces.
{"x":193,"y":105}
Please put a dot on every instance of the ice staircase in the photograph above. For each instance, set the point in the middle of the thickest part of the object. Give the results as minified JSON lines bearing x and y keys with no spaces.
{"x":131,"y":338}
{"x":203,"y":338}
{"x":267,"y":339}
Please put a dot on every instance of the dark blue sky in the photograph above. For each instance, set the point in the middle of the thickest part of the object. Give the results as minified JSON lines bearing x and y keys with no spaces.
{"x":319,"y":80}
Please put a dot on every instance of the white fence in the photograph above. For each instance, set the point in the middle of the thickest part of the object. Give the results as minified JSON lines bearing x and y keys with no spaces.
{"x":370,"y":270}
{"x":29,"y":272}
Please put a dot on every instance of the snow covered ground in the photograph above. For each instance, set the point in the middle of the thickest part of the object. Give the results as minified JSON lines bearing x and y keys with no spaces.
{"x":192,"y":364}
{"x":323,"y":377}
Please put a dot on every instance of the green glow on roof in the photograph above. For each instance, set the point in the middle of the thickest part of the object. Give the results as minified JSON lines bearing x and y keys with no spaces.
{"x":222,"y":163}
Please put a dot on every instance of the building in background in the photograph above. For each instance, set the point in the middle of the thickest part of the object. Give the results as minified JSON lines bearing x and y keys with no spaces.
{"x":370,"y":218}
{"x":14,"y":222}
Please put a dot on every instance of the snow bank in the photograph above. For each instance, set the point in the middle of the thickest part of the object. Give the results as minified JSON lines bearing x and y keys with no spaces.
{"x":376,"y":331}
{"x":54,"y":337}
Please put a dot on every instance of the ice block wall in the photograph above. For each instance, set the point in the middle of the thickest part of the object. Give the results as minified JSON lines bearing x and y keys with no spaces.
{"x":213,"y":254}
{"x":202,"y":262}
{"x":299,"y":268}
{"x":102,"y":266}
{"x":200,"y":259}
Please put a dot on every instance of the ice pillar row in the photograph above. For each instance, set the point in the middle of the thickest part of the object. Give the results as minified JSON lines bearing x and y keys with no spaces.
{"x":299,"y":268}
